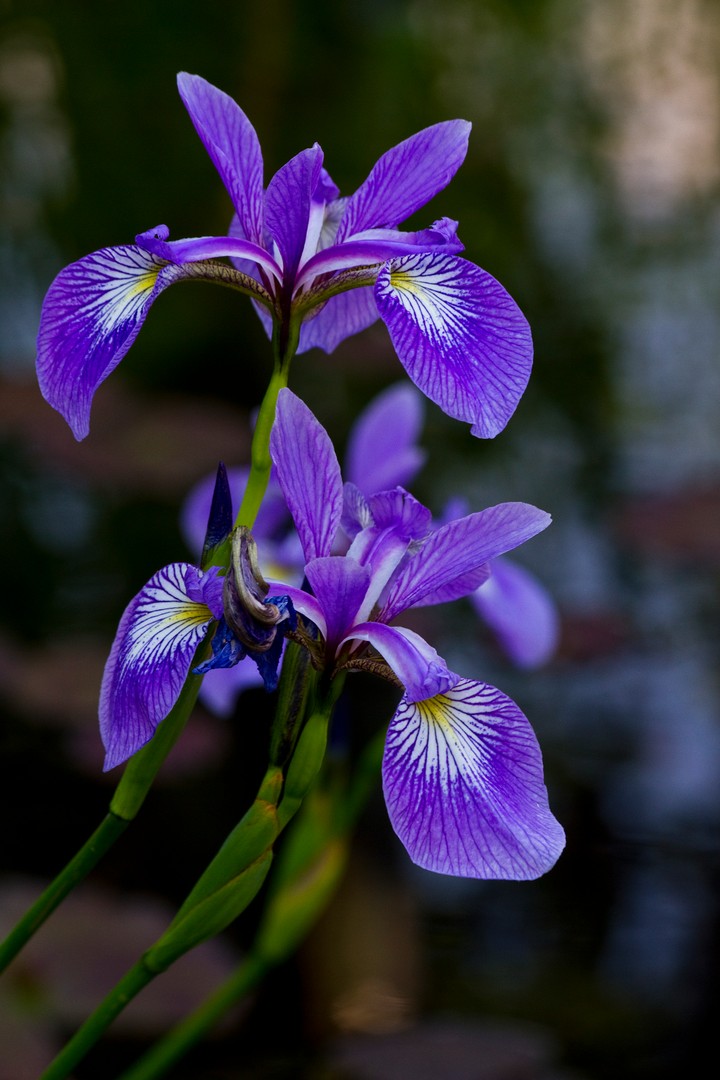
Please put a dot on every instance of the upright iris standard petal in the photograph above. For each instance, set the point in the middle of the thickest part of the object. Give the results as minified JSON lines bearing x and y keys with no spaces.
{"x":406,"y":177}
{"x":460,"y":336}
{"x":463,"y":783}
{"x":91,"y":315}
{"x":233,"y":146}
{"x":151,"y":655}
{"x":308,"y":473}
{"x":288,"y":202}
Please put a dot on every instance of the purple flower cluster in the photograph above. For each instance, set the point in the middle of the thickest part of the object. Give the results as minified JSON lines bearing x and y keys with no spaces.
{"x":319,"y":267}
{"x":462,"y":772}
{"x":382,"y":453}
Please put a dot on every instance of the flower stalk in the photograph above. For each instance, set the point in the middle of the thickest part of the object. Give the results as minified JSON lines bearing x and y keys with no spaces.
{"x":143,"y":766}
{"x":226,"y":888}
{"x":305,"y":878}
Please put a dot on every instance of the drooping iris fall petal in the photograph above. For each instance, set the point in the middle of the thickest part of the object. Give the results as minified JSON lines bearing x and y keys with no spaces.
{"x":92,"y":314}
{"x":459,"y":335}
{"x":151,"y":656}
{"x":463,"y":783}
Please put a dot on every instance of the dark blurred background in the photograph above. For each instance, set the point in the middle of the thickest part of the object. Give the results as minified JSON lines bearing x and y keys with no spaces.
{"x":591,"y":191}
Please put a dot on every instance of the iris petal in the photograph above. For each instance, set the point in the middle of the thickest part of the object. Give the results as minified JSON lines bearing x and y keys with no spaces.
{"x":460,"y":336}
{"x":288,"y":202}
{"x":308,"y":473}
{"x":406,"y":177}
{"x":340,"y":585}
{"x":233,"y":146}
{"x":90,"y":317}
{"x":463,"y":783}
{"x":339,"y":318}
{"x":451,"y":555}
{"x":200,"y":248}
{"x":381,"y":449}
{"x":520,"y":612}
{"x":151,"y":655}
{"x":418,"y":666}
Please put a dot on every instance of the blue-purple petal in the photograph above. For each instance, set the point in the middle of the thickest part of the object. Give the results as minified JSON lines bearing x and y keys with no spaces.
{"x":221,"y":687}
{"x":418,"y":666}
{"x":460,"y":548}
{"x":339,"y":585}
{"x":382,"y":451}
{"x":233,"y":146}
{"x":377,"y":246}
{"x":406,"y":177}
{"x":340,"y":317}
{"x":201,"y":248}
{"x":520,"y":612}
{"x":91,"y":315}
{"x":308,"y":473}
{"x":460,"y":336}
{"x":151,"y":656}
{"x":465,"y":585}
{"x":288,"y":203}
{"x":463,"y":783}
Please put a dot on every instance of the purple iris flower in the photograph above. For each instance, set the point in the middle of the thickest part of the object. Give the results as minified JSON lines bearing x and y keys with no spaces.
{"x":382,"y":452}
{"x":316,"y":265}
{"x":462,"y":770}
{"x":161,"y":629}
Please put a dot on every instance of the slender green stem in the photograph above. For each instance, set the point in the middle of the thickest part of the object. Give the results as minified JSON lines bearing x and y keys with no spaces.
{"x":142,"y":768}
{"x":79,"y":866}
{"x":229,"y":884}
{"x":86,"y":1036}
{"x":176,"y":1044}
{"x":303,"y":884}
{"x":260,"y":461}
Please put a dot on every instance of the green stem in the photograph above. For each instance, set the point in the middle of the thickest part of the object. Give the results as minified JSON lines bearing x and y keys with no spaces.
{"x":260,"y":461}
{"x":129,"y":796}
{"x":229,"y":884}
{"x":297,"y":899}
{"x":86,"y":1036}
{"x":79,"y":866}
{"x":176,"y":1044}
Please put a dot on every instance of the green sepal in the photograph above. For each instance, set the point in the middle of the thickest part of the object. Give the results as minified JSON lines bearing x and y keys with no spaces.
{"x":306,"y":874}
{"x":208,"y":917}
{"x":253,"y":835}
